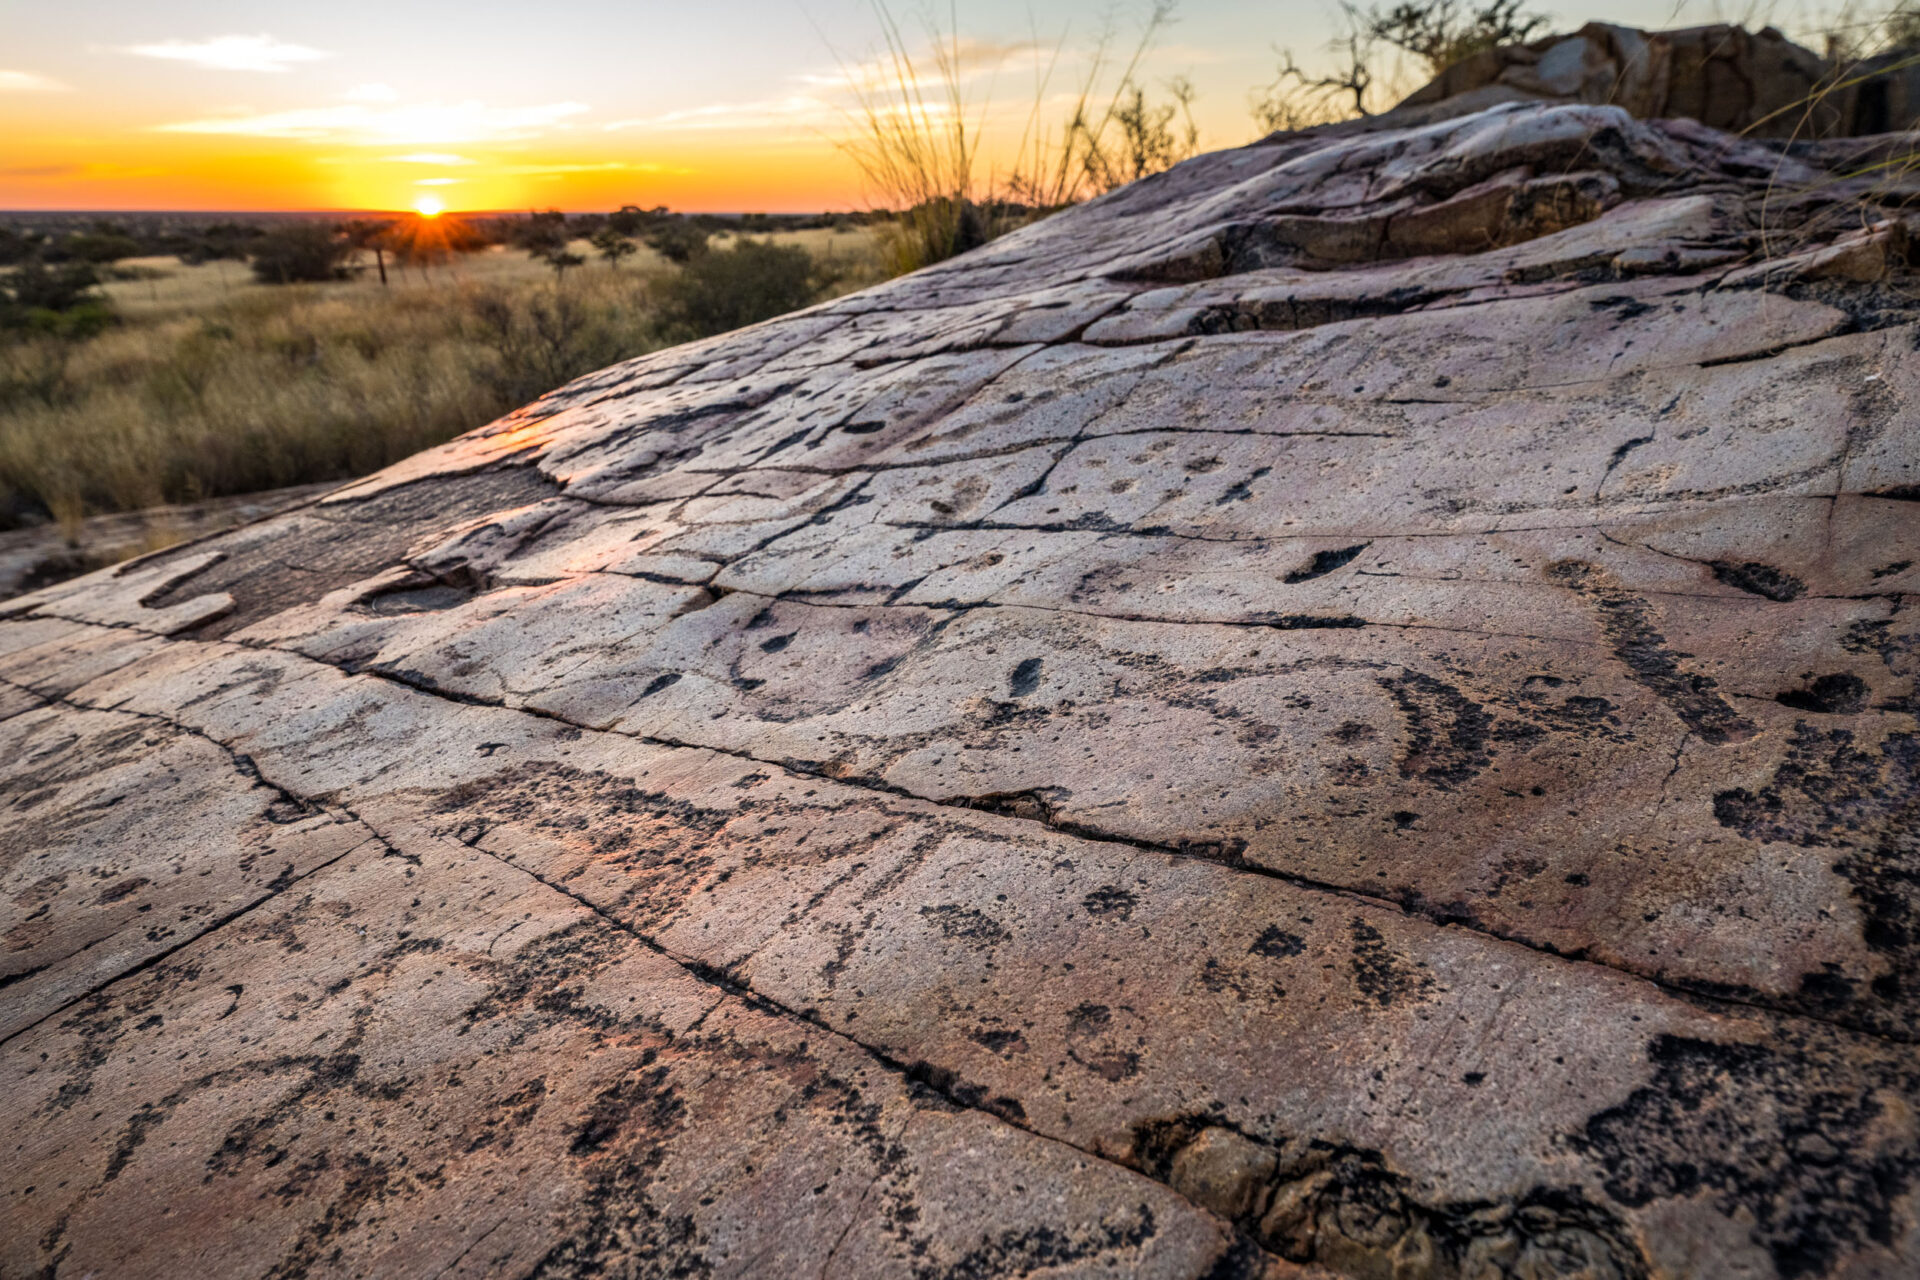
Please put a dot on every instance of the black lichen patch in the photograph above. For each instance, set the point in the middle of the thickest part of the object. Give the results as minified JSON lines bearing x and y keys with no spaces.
{"x":1802,"y":1138}
{"x":1829,"y":792}
{"x":1027,"y":1250}
{"x":1759,"y":579}
{"x":1381,"y":975}
{"x":1110,"y":900}
{"x":1277,"y":943}
{"x":1624,"y":621}
{"x":641,"y":1097}
{"x":1447,"y":732}
{"x":966,"y":924}
{"x":1325,"y":562}
{"x":1839,"y":694}
{"x":1107,"y":1041}
{"x":663,"y":845}
{"x":1348,"y":1210}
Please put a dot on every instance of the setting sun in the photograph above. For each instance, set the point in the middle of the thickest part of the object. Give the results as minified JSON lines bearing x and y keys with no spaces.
{"x":428,"y":206}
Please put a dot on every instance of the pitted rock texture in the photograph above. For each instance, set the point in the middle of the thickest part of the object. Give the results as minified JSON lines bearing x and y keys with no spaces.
{"x":1345,"y":710}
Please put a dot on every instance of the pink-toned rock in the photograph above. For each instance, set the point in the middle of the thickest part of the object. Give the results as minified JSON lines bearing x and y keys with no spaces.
{"x":1347,"y":709}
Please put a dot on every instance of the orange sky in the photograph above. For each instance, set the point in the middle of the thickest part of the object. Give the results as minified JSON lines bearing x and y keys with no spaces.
{"x":575,"y":104}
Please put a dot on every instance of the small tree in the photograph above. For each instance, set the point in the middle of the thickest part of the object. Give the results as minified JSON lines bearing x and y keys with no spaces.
{"x":300,"y":252}
{"x":365,"y":234}
{"x":1442,"y":32}
{"x":630,"y":219}
{"x":613,"y":246}
{"x":1146,"y":142}
{"x":544,"y":237}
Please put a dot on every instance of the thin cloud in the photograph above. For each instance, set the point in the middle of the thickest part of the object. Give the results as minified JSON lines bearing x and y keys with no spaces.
{"x":30,"y":82}
{"x":430,"y":157}
{"x":605,"y":166}
{"x":733,"y":115}
{"x":372,"y":93}
{"x":232,"y":53}
{"x":417,"y":124}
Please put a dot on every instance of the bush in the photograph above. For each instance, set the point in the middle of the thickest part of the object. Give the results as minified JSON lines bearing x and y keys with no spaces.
{"x":753,"y":281}
{"x":678,"y":241}
{"x":33,"y":286}
{"x":302,"y":252}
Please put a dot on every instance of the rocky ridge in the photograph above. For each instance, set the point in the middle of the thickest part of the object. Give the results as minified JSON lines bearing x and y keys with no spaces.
{"x":1346,"y":709}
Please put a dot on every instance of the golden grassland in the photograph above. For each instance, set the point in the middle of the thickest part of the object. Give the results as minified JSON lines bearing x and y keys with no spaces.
{"x":209,"y":384}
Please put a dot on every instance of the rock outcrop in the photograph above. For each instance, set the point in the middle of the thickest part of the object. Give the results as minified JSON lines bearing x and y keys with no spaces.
{"x":1347,"y":709}
{"x":1722,"y":76}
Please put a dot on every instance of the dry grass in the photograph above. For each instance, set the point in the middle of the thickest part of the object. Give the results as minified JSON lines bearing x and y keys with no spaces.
{"x":211,"y":384}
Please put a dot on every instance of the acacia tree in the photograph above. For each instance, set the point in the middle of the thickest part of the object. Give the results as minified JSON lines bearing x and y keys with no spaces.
{"x":371,"y":234}
{"x":613,"y":246}
{"x":1437,"y":32}
{"x":1442,"y":32}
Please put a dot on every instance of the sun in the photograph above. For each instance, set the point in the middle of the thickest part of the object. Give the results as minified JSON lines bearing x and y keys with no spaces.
{"x":428,"y":206}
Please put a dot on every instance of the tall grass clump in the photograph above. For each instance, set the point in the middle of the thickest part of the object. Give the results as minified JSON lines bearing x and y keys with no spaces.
{"x":1869,"y":49}
{"x":918,"y":138}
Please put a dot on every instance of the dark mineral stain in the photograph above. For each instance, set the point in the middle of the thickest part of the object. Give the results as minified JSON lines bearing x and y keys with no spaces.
{"x":1026,"y":677}
{"x":1312,"y":621}
{"x":1242,"y":489}
{"x":1828,"y":695}
{"x":1325,"y":562}
{"x":1759,"y":580}
{"x":998,"y":1040}
{"x":660,"y":682}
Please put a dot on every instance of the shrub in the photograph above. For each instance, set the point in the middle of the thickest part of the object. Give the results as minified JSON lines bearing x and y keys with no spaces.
{"x":34,"y":286}
{"x":678,"y":241}
{"x":753,"y":281}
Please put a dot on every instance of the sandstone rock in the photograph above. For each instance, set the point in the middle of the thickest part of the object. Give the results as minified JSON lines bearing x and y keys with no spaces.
{"x":1203,"y":738}
{"x":1726,"y":77}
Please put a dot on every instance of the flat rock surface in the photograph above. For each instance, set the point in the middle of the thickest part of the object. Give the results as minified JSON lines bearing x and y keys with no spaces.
{"x":1344,"y":710}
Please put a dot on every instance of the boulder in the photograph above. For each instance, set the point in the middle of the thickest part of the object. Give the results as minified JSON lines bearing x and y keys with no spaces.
{"x":1347,"y":709}
{"x":1758,"y":83}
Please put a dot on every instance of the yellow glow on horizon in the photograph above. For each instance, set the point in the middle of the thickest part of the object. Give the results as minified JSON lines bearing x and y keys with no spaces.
{"x":428,"y":206}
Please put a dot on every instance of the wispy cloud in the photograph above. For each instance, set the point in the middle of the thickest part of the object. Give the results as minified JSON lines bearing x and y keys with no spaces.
{"x":418,"y":124}
{"x":735,"y":115}
{"x":436,"y":182}
{"x":372,"y":93}
{"x":233,"y":53}
{"x":604,"y":166}
{"x":30,"y":82}
{"x":430,"y":157}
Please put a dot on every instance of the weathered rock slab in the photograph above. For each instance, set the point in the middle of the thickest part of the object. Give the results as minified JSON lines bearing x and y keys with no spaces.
{"x":1207,"y":738}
